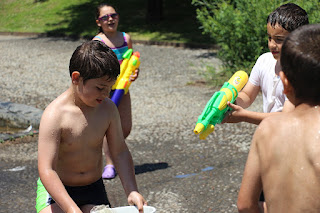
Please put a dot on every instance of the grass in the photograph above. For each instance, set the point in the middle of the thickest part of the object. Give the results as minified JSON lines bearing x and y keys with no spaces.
{"x":76,"y":18}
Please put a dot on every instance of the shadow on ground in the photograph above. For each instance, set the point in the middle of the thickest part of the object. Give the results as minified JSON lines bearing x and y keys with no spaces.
{"x":150,"y":167}
{"x":80,"y":21}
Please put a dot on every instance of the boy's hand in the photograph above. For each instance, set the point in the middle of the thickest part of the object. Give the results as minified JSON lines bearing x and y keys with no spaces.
{"x":134,"y":75}
{"x":135,"y":198}
{"x":236,"y":115}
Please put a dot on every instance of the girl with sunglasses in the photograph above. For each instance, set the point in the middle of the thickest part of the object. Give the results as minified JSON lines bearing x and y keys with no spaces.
{"x":107,"y":20}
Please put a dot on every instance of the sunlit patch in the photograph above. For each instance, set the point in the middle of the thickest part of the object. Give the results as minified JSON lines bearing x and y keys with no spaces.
{"x":16,"y":169}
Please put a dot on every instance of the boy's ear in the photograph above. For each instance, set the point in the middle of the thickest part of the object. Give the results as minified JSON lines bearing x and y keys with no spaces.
{"x":287,"y":87}
{"x":75,"y":77}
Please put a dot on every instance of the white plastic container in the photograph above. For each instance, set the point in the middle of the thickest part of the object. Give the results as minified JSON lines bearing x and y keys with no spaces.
{"x":122,"y":209}
{"x":133,"y":209}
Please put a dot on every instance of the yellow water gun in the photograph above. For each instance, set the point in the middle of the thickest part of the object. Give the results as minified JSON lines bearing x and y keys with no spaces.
{"x":130,"y":63}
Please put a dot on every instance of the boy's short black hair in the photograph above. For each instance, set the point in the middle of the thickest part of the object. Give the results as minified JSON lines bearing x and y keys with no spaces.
{"x":94,"y":59}
{"x":289,"y":16}
{"x":300,"y":61}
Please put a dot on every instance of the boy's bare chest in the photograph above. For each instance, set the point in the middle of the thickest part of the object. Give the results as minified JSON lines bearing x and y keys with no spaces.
{"x":81,"y":129}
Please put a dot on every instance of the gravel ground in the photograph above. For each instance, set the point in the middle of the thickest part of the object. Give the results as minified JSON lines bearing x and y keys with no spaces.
{"x":175,"y":171}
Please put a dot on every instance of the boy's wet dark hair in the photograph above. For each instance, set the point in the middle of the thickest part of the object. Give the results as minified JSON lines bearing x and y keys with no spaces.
{"x":94,"y":59}
{"x":300,"y":61}
{"x":289,"y":16}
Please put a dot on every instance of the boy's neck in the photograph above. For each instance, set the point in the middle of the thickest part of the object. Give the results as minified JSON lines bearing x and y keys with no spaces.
{"x":78,"y":102}
{"x":302,"y":106}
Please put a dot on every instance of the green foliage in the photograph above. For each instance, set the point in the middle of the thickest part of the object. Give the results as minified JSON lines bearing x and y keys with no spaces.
{"x":215,"y":77}
{"x":239,"y":28}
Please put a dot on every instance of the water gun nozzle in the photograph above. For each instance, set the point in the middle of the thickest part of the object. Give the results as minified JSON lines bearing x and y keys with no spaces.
{"x":199,"y":128}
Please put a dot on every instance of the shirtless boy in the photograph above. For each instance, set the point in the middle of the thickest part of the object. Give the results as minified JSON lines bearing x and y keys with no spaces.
{"x":71,"y":134}
{"x":284,"y":158}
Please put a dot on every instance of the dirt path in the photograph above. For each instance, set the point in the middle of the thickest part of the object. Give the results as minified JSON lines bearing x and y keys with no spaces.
{"x":175,"y":171}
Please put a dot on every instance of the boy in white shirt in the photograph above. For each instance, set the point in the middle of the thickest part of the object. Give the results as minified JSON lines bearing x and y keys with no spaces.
{"x":265,"y":73}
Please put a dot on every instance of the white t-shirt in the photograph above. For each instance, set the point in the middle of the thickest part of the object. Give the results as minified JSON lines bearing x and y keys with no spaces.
{"x":263,"y":75}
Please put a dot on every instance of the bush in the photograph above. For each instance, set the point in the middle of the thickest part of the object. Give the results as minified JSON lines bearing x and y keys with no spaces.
{"x":239,"y":28}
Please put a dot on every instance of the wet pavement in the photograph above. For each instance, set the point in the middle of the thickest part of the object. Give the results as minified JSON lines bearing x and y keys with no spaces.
{"x":175,"y":171}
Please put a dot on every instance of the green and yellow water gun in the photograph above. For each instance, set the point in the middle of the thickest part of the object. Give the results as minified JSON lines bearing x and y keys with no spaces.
{"x":217,"y":107}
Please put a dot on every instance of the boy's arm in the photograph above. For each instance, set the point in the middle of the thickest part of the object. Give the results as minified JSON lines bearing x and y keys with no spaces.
{"x":122,"y":159}
{"x":247,"y":95}
{"x":48,"y":149}
{"x":239,"y":114}
{"x":251,"y":186}
{"x":245,"y":98}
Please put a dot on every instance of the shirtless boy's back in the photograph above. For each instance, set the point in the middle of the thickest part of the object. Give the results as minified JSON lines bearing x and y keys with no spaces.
{"x":290,"y":161}
{"x":284,"y":157}
{"x":71,"y":135}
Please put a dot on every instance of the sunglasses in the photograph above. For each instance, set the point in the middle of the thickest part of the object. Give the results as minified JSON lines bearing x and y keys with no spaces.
{"x":106,"y":17}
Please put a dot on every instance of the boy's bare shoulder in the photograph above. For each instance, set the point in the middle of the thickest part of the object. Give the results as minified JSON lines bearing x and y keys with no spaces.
{"x":108,"y":108}
{"x":296,"y":125}
{"x":271,"y":123}
{"x":54,"y":115}
{"x":273,"y":128}
{"x":63,"y":114}
{"x":55,"y":107}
